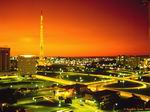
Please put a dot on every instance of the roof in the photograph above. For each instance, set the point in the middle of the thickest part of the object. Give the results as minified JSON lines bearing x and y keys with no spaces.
{"x":105,"y":92}
{"x":74,"y":86}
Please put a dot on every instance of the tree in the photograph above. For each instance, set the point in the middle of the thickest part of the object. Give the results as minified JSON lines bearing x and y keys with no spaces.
{"x":68,"y":100}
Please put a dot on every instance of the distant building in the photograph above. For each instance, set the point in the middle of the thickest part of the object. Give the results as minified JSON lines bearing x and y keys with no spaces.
{"x":13,"y":63}
{"x":128,"y":61}
{"x":133,"y":62}
{"x":4,"y":59}
{"x":27,"y":64}
{"x":146,"y":63}
{"x":104,"y":99}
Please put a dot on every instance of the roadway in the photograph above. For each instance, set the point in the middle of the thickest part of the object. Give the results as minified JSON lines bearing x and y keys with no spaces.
{"x":100,"y":84}
{"x":143,"y":84}
{"x":8,"y":77}
{"x":61,"y":81}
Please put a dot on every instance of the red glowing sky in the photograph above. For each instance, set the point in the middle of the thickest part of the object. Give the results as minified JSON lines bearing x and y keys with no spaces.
{"x":75,"y":27}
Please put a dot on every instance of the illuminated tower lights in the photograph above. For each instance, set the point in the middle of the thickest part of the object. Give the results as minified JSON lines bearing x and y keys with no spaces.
{"x":41,"y":38}
{"x":42,"y":60}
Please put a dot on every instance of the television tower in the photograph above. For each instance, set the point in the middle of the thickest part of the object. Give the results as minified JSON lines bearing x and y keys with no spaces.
{"x":41,"y":57}
{"x":41,"y":38}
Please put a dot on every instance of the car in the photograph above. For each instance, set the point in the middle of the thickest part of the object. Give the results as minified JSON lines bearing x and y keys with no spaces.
{"x":40,"y":98}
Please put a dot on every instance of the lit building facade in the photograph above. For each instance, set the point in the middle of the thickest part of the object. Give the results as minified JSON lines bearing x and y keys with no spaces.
{"x":27,"y":64}
{"x":13,"y":64}
{"x":128,"y":61}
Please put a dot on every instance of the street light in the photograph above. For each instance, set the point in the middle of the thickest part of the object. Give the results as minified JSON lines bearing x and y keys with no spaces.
{"x":59,"y":105}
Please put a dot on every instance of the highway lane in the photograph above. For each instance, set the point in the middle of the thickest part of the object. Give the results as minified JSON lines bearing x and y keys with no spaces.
{"x":143,"y":84}
{"x":8,"y":77}
{"x":53,"y":79}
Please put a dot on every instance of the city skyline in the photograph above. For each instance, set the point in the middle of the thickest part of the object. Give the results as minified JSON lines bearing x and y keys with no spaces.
{"x":75,"y":28}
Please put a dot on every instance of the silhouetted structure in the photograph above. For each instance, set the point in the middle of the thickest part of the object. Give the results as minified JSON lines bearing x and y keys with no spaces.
{"x":4,"y":59}
{"x":132,"y":103}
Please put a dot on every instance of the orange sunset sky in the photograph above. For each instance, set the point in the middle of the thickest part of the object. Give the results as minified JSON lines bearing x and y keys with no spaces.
{"x":75,"y":27}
